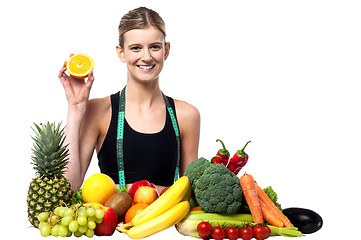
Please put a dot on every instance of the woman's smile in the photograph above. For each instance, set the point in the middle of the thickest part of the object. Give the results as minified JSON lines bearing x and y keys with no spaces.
{"x":146,"y":68}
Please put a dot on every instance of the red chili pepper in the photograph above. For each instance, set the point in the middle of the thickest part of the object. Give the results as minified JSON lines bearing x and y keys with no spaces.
{"x":217,"y":160}
{"x":222,"y":153}
{"x":239,"y":159}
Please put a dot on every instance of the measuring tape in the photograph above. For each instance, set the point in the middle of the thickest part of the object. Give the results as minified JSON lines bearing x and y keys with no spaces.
{"x":120,"y":135}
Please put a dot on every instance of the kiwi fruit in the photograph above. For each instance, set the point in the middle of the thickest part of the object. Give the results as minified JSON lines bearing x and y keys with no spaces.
{"x":120,"y":202}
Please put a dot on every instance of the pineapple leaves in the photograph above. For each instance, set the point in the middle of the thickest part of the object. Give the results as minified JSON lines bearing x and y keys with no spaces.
{"x":50,"y":157}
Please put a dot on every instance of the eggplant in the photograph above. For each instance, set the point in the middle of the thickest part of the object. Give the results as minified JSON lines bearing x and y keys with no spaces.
{"x":306,"y":220}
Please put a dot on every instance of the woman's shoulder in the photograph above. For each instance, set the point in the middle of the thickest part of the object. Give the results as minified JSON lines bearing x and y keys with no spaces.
{"x":186,"y":111}
{"x":97,"y":107}
{"x":99,"y":103}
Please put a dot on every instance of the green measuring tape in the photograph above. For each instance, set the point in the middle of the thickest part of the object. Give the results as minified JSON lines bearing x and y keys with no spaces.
{"x":120,"y":135}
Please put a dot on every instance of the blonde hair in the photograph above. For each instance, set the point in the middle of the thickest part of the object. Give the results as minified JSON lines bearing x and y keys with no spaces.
{"x":139,"y":18}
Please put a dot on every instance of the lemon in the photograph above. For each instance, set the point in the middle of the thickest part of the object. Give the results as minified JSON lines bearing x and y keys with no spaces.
{"x":98,"y":188}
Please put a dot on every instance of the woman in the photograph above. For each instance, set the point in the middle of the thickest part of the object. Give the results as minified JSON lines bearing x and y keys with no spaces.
{"x":148,"y":120}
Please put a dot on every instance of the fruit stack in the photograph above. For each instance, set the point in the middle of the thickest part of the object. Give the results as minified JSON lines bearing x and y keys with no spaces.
{"x":98,"y":208}
{"x":165,"y":211}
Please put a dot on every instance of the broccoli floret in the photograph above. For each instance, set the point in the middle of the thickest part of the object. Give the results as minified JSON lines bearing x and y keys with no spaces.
{"x":195,"y":169}
{"x":218,"y":190}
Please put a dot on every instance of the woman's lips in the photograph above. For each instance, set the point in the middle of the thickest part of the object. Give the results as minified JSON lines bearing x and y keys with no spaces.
{"x":146,"y":67}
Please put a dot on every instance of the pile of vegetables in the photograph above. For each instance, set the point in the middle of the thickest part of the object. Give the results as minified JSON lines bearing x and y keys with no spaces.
{"x":189,"y":225}
{"x":232,"y":207}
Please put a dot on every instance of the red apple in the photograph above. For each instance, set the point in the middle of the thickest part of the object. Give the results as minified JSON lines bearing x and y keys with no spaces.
{"x":133,"y":189}
{"x":163,"y":191}
{"x":146,"y":195}
{"x":109,"y":223}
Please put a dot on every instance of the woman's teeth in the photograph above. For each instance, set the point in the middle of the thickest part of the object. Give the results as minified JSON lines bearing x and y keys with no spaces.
{"x":146,"y":67}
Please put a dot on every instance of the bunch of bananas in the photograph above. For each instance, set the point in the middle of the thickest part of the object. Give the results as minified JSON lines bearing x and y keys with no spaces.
{"x":170,"y":208}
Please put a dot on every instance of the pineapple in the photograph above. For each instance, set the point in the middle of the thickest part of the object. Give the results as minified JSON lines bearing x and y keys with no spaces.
{"x":50,"y":158}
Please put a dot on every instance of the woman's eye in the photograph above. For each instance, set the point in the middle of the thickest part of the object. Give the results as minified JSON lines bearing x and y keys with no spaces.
{"x":155,"y":47}
{"x":135,"y":48}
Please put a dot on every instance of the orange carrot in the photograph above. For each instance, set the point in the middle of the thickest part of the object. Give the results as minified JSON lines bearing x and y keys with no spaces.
{"x":264,"y":198}
{"x":198,"y":208}
{"x":250,"y":193}
{"x":270,"y":216}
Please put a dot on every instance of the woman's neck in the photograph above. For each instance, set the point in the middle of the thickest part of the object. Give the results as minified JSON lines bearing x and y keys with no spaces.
{"x":143,"y":95}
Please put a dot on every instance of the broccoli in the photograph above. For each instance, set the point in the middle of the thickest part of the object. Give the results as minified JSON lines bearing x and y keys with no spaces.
{"x":218,"y":190}
{"x":195,"y":169}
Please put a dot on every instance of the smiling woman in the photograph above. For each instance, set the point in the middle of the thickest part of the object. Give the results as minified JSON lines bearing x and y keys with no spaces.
{"x":138,"y":133}
{"x":144,"y":51}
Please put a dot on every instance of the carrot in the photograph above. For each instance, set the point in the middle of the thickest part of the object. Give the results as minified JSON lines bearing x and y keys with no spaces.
{"x":264,"y":198}
{"x":198,"y":208}
{"x":250,"y":193}
{"x":270,"y":216}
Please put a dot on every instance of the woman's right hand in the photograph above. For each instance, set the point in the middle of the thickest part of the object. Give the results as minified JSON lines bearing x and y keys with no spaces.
{"x":77,"y":91}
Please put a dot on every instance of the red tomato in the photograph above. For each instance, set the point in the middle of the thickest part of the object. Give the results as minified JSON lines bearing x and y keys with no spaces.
{"x":232,"y":233}
{"x":260,"y":232}
{"x":218,"y":233}
{"x":269,"y":231}
{"x":204,"y":230}
{"x":246,"y":233}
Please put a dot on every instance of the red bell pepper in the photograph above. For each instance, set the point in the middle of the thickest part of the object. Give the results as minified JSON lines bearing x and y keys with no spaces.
{"x":222,"y":155}
{"x":239,"y":159}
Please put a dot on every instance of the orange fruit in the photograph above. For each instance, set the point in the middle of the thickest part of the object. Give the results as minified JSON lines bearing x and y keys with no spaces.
{"x":134,"y":210}
{"x":79,"y":65}
{"x":98,"y":188}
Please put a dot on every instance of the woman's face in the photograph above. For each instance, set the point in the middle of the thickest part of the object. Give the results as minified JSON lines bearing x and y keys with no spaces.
{"x":144,"y":53}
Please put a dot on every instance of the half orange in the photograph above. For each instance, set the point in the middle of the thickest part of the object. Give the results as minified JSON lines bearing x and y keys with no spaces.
{"x":79,"y":65}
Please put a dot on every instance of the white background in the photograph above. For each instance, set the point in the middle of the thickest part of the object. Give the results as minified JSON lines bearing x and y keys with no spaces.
{"x":283,"y":74}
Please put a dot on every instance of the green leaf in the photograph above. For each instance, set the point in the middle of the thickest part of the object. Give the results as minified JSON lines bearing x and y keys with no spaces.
{"x":273,"y":196}
{"x":77,"y":197}
{"x":123,"y":189}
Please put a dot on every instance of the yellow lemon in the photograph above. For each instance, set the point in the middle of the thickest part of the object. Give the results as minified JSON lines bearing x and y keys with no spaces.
{"x":98,"y":188}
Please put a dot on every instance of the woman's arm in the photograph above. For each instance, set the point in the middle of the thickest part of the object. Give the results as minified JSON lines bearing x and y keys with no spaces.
{"x":77,"y":93}
{"x":189,"y":126}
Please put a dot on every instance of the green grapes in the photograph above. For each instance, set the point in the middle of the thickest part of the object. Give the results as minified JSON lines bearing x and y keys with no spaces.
{"x":43,"y":217}
{"x":73,"y":226}
{"x":99,"y":213}
{"x":74,"y":220}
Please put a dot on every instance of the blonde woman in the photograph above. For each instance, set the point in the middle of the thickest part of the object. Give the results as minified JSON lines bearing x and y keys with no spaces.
{"x":138,"y":132}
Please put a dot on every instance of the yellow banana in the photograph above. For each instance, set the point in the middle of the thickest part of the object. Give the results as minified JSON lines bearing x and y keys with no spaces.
{"x":179,"y":190}
{"x":188,"y":194}
{"x":161,"y":222}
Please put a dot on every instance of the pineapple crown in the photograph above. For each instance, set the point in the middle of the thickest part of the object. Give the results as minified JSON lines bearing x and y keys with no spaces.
{"x":50,"y":157}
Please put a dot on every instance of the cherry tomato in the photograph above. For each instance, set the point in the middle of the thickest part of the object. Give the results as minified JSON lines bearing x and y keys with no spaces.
{"x":218,"y":233}
{"x":246,"y":233}
{"x":204,"y":230}
{"x":260,"y":232}
{"x":232,"y":233}
{"x":269,"y":231}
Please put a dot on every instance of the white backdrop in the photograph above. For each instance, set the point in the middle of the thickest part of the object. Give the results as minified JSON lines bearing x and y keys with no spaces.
{"x":283,"y":74}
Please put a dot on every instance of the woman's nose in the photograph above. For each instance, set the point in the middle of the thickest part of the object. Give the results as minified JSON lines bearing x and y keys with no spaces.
{"x":147,"y":55}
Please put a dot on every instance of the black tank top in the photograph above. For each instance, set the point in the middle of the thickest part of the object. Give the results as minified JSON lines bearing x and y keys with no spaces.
{"x":147,"y":156}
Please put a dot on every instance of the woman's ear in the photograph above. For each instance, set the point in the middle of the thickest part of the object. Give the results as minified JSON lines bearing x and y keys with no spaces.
{"x":121,"y":54}
{"x":167,"y":49}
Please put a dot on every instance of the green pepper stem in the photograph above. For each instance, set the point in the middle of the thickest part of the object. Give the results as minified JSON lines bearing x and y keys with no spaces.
{"x":219,"y":140}
{"x":245,"y":146}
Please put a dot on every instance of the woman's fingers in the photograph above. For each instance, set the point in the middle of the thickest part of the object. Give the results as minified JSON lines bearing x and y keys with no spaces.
{"x":90,"y":80}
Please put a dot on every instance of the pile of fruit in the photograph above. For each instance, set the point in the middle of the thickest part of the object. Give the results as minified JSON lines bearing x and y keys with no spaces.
{"x":209,"y":201}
